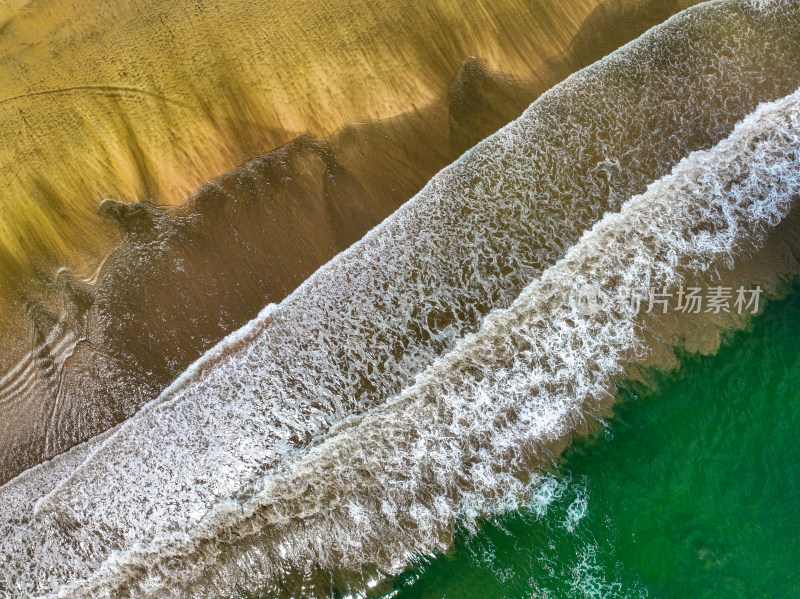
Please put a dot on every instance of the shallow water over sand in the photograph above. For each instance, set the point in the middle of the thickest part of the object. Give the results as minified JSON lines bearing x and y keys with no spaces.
{"x":417,"y":378}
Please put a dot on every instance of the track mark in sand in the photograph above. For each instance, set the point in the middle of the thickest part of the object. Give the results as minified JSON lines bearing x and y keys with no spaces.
{"x":104,"y":89}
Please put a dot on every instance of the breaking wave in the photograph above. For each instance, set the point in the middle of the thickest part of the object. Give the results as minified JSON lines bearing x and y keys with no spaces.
{"x":425,"y":373}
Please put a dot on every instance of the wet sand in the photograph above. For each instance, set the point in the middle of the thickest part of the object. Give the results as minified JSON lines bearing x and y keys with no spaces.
{"x":147,"y":101}
{"x":187,"y":275}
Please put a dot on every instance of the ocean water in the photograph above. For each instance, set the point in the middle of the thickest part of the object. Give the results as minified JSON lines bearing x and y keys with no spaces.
{"x":692,"y":490}
{"x":428,"y":372}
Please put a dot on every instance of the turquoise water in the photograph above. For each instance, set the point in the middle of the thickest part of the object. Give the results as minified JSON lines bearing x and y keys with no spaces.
{"x":691,"y":491}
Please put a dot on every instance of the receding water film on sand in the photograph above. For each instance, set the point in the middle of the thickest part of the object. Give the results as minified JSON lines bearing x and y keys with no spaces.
{"x":450,"y":299}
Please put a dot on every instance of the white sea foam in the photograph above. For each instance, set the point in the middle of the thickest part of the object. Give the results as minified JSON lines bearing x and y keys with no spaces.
{"x":394,"y":479}
{"x":213,"y":473}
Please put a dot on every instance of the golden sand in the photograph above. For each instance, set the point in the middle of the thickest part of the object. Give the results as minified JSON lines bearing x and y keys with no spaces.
{"x":148,"y":104}
{"x":147,"y":100}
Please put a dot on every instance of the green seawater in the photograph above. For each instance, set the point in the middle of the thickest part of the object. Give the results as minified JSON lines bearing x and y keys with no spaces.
{"x":691,"y":491}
